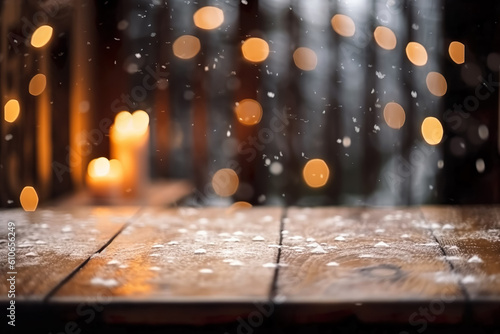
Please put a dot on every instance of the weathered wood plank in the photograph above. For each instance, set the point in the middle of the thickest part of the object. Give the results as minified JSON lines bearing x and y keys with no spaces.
{"x":378,"y":264}
{"x":51,"y":243}
{"x":470,"y":237}
{"x":185,"y":258}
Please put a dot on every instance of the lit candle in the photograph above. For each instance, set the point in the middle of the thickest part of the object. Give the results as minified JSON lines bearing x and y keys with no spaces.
{"x":105,"y":178}
{"x":129,"y":138}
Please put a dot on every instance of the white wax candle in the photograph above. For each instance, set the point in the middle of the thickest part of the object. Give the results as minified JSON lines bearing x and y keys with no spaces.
{"x":129,"y":137}
{"x":105,"y":178}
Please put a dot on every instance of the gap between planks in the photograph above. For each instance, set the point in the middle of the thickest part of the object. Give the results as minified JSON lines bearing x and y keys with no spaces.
{"x":66,"y":279}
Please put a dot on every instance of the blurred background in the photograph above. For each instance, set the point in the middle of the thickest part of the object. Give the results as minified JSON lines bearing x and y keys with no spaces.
{"x":270,"y":102}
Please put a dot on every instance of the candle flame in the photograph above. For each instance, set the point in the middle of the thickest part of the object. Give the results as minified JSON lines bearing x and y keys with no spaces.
{"x":41,"y":36}
{"x":29,"y":198}
{"x":135,"y":123}
{"x":103,"y":167}
{"x":11,"y":110}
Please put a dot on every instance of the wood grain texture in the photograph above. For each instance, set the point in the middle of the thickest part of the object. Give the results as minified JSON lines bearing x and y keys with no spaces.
{"x":344,"y":261}
{"x":170,"y":259}
{"x":51,"y":243}
{"x":470,"y":236}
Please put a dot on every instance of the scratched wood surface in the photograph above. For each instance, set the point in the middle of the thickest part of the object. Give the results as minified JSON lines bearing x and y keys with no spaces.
{"x":350,"y":260}
{"x":183,"y":256}
{"x":51,"y":243}
{"x":213,"y":265}
{"x":470,"y":237}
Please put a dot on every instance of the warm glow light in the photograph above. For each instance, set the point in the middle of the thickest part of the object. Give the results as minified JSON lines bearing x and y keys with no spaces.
{"x":186,"y":47}
{"x":416,"y":53}
{"x":239,"y":206}
{"x":316,"y":173}
{"x":99,"y":167}
{"x":385,"y":38}
{"x":29,"y":199}
{"x":255,"y":49}
{"x":11,"y":110}
{"x":208,"y":17}
{"x":394,"y":115}
{"x":343,"y":25}
{"x":457,"y":52}
{"x":134,"y":124}
{"x":432,"y":130}
{"x":37,"y":84}
{"x":103,"y":167}
{"x":41,"y":36}
{"x":248,"y":112}
{"x":225,"y":182}
{"x":305,"y":59}
{"x":436,"y":83}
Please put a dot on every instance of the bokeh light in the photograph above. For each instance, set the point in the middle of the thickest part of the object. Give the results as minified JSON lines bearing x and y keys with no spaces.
{"x":11,"y":110}
{"x":37,"y":84}
{"x":316,"y":173}
{"x":248,"y":112}
{"x":242,"y":205}
{"x":29,"y":198}
{"x":457,"y":52}
{"x":305,"y":59}
{"x":385,"y":38}
{"x":343,"y":25}
{"x":41,"y":36}
{"x":432,"y":130}
{"x":225,"y":182}
{"x":436,"y":83}
{"x":394,"y":115}
{"x":186,"y":47}
{"x":208,"y":17}
{"x":255,"y":49}
{"x":416,"y":53}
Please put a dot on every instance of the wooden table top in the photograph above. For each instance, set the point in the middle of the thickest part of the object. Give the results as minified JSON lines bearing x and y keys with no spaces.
{"x":412,"y":266}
